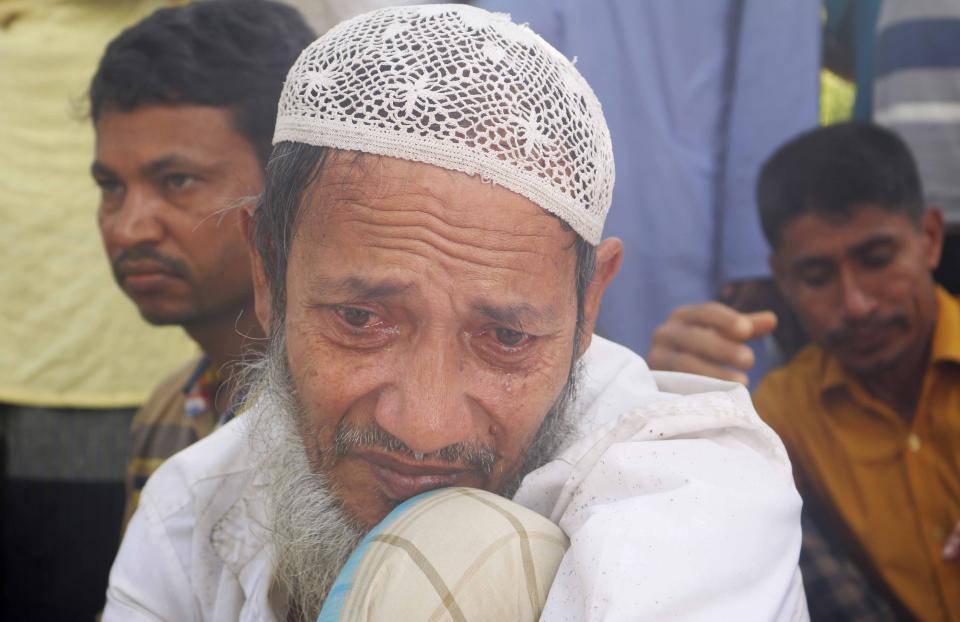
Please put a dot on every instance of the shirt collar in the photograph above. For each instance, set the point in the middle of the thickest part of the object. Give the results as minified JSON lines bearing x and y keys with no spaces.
{"x":834,"y":376}
{"x":946,"y":334}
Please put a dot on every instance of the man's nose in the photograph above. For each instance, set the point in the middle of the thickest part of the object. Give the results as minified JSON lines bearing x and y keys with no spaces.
{"x":427,"y":407}
{"x":858,"y":303}
{"x":138,"y":220}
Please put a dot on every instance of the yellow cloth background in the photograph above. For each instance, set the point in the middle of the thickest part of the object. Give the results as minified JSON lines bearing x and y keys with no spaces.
{"x":68,"y":335}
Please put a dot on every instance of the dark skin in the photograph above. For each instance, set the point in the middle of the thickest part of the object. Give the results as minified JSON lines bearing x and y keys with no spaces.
{"x":431,"y":306}
{"x":863,"y":290}
{"x":172,"y":181}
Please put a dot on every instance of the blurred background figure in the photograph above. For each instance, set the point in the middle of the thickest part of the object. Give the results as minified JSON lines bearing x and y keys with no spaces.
{"x":324,"y":14}
{"x":184,"y":104}
{"x":76,"y":357}
{"x":849,"y":33}
{"x":868,"y":410}
{"x":696,"y":94}
{"x":916,"y":93}
{"x":901,"y":58}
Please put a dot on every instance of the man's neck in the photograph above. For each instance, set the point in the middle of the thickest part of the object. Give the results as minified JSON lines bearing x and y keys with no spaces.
{"x":900,"y":386}
{"x":225,"y":340}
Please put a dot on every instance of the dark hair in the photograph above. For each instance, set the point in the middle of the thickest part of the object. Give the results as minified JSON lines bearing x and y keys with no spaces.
{"x":226,"y":53}
{"x":831,"y":170}
{"x":292,"y":169}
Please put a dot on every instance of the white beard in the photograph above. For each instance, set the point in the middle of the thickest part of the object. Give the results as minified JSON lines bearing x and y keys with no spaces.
{"x":312,"y":535}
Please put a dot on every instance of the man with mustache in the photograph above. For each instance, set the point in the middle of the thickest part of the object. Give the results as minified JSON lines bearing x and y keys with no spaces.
{"x":870,"y":411}
{"x":428,"y":266}
{"x":183,"y":105}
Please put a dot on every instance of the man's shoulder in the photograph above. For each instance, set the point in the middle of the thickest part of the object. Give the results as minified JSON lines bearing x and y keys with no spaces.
{"x":789,"y":388}
{"x":625,"y":403}
{"x":619,"y":385}
{"x":208,"y":468}
{"x":166,"y":394}
{"x":200,"y":525}
{"x":696,"y":410}
{"x":665,"y":463}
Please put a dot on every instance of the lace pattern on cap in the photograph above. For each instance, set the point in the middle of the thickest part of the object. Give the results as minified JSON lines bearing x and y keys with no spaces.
{"x":463,"y":89}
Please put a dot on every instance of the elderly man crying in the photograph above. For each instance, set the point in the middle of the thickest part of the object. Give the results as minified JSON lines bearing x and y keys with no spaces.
{"x":428,"y":263}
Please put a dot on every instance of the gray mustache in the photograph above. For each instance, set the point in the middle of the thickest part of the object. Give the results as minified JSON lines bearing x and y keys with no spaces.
{"x":347,"y":437}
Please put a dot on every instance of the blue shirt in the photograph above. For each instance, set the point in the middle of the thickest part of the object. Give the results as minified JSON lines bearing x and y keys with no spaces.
{"x":697,"y":94}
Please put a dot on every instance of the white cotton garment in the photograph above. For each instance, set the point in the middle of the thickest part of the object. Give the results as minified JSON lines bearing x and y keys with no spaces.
{"x":678,"y":502}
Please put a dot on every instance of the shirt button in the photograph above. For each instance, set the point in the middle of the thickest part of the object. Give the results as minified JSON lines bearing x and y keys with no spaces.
{"x":913,"y":442}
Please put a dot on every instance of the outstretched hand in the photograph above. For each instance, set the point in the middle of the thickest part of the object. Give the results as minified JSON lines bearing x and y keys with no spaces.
{"x":709,"y":339}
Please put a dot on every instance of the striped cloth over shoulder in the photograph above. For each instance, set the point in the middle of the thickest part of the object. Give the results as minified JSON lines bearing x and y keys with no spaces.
{"x":179,"y":413}
{"x":450,"y":554}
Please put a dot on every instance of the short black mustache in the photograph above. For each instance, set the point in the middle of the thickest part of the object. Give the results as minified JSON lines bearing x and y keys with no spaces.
{"x":177,"y":268}
{"x":846,"y":331}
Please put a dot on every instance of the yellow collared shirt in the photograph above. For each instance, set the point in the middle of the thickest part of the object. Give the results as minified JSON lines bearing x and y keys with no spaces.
{"x":893,"y":484}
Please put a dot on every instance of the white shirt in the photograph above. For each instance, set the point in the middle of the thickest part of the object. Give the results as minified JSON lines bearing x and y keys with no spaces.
{"x":678,"y":500}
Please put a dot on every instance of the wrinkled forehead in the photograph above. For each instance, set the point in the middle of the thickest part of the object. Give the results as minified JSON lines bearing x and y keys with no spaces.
{"x":414,"y":230}
{"x":350,"y":182}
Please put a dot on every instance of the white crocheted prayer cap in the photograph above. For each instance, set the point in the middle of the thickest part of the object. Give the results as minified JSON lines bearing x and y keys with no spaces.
{"x":463,"y":89}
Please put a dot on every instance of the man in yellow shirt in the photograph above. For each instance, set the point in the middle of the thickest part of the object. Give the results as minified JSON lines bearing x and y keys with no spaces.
{"x":870,"y":411}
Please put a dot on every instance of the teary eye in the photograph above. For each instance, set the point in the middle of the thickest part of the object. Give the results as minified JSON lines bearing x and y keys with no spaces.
{"x":509,"y":337}
{"x":354,"y":316}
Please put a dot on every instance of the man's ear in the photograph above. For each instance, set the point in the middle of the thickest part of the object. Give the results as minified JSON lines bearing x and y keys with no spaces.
{"x":609,"y":259}
{"x":932,"y":228}
{"x":262,"y":293}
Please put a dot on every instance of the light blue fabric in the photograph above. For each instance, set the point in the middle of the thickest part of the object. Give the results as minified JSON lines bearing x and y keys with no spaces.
{"x":333,"y":606}
{"x":697,"y":94}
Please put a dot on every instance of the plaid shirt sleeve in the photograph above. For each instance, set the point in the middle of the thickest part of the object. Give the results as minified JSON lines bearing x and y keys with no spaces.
{"x":837,"y":591}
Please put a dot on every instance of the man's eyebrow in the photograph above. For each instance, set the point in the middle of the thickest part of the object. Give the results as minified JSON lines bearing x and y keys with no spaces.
{"x":813,"y":261}
{"x":883,"y":239}
{"x":360,"y":288}
{"x":158,"y":165}
{"x":510,"y":315}
{"x":161,"y":164}
{"x":98,"y":169}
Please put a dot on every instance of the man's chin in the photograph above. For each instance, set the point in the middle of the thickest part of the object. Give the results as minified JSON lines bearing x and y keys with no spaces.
{"x":166,"y":317}
{"x":870,"y":364}
{"x":367,"y":512}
